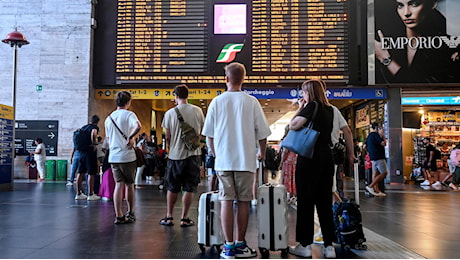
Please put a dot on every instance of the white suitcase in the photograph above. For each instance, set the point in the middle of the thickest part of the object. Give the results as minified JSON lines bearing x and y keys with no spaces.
{"x":209,"y":226}
{"x":272,"y":215}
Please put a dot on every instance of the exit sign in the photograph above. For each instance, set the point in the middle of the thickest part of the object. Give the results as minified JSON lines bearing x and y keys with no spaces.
{"x":39,"y":88}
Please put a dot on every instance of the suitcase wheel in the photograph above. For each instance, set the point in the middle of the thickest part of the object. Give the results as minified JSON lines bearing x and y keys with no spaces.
{"x":284,"y":253}
{"x":202,"y":248}
{"x":361,"y":247}
{"x":264,"y":252}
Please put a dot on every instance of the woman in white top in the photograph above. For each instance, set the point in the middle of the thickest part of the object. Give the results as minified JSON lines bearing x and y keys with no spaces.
{"x":40,"y":158}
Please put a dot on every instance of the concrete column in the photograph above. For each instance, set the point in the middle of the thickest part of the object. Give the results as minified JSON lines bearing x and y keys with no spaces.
{"x":159,"y":130}
{"x":393,"y":120}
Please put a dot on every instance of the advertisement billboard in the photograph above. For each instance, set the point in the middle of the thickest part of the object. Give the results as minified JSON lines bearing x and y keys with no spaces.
{"x":416,"y":41}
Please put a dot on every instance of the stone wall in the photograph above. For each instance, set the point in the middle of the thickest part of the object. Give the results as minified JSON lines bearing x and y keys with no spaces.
{"x":58,"y":58}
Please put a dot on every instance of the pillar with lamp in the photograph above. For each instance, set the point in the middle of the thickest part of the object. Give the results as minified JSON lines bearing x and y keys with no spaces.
{"x":15,"y":39}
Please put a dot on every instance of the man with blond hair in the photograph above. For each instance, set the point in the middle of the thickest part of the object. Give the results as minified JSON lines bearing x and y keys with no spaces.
{"x":234,"y":123}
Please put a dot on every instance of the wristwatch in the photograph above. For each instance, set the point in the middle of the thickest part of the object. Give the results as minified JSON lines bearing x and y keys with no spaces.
{"x":386,"y":61}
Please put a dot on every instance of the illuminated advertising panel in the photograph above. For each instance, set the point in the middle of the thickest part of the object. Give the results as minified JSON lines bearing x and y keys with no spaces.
{"x":230,"y":19}
{"x":417,"y":41}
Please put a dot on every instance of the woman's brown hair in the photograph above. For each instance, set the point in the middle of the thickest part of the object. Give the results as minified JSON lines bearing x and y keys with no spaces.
{"x":315,"y":89}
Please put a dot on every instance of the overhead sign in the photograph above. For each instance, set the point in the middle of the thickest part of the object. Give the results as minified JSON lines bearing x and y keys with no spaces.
{"x":6,"y":143}
{"x":202,"y":93}
{"x":28,"y":131}
{"x":431,"y":100}
{"x":259,"y":93}
{"x":331,"y":93}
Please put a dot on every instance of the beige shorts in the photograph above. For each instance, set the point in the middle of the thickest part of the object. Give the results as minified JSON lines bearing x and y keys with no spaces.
{"x":124,"y":172}
{"x":235,"y":185}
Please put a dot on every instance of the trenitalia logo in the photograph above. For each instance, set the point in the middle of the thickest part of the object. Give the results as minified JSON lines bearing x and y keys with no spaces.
{"x":228,"y":53}
{"x":420,"y":42}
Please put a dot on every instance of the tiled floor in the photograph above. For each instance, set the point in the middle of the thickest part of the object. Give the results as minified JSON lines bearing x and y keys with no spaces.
{"x":42,"y":220}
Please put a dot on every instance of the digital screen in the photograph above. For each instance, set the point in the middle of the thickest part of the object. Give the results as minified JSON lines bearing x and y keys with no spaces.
{"x":230,"y":19}
{"x":168,"y":42}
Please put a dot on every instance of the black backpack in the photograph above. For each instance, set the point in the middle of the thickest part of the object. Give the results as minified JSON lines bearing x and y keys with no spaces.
{"x":437,"y":154}
{"x":271,"y":159}
{"x":348,"y":226}
{"x":82,"y":139}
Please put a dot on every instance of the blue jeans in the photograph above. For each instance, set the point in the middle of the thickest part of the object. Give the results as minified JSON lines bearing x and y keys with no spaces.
{"x":76,"y":158}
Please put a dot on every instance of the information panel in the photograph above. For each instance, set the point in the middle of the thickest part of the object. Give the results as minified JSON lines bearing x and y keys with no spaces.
{"x":28,"y":131}
{"x":190,"y":41}
{"x":6,"y":143}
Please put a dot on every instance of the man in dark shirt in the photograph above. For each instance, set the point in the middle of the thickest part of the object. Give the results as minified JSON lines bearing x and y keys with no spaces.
{"x":429,"y":167}
{"x":87,"y":162}
{"x":376,"y":147}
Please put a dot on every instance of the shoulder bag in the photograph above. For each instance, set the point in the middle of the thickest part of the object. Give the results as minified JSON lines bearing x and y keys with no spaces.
{"x":140,"y":161}
{"x":302,"y":141}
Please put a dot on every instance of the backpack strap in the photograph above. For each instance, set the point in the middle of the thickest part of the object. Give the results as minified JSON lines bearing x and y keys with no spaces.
{"x":121,"y":132}
{"x":179,"y":115}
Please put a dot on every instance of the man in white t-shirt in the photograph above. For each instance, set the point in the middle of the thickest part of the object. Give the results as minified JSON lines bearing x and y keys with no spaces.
{"x":120,"y":128}
{"x":183,"y":170}
{"x":235,"y":122}
{"x":40,"y":158}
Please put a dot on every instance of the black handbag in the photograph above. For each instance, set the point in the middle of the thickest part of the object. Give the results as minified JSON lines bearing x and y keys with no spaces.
{"x":302,"y":141}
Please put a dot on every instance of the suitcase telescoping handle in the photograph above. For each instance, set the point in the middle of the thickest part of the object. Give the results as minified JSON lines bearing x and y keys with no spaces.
{"x":260,"y":169}
{"x":356,"y":181}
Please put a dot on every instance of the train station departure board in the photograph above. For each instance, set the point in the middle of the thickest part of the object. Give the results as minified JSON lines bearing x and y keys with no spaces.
{"x":190,"y":41}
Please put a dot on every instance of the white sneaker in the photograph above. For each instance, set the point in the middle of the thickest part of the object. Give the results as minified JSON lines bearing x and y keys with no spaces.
{"x":371,"y":191}
{"x":425,"y":183}
{"x":381,"y":194}
{"x":81,"y":196}
{"x":299,"y":250}
{"x":329,"y":252}
{"x":437,"y":184}
{"x":69,"y":183}
{"x":254,"y":203}
{"x":453,"y":186}
{"x":93,"y":197}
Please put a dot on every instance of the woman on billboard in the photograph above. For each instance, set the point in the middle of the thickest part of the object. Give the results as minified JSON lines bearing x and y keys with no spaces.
{"x":421,"y":52}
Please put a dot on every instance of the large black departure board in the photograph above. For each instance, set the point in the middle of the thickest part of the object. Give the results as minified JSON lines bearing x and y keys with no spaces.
{"x":190,"y":41}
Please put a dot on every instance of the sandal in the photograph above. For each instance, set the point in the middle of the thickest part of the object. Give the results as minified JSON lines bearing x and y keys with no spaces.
{"x":186,"y":222}
{"x":122,"y":220}
{"x":130,"y":216}
{"x":166,"y":221}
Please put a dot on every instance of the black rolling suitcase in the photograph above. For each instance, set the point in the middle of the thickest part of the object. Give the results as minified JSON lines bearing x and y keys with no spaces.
{"x":348,"y":220}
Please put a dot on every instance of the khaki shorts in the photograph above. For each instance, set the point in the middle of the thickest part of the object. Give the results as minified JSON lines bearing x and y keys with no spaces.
{"x":235,"y":185}
{"x":124,"y":172}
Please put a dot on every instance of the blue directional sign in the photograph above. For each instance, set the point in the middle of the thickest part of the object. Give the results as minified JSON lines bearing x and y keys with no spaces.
{"x":6,"y":143}
{"x":331,"y":93}
{"x":430,"y":100}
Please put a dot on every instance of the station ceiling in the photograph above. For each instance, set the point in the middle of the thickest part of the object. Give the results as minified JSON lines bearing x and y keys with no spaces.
{"x":274,"y":108}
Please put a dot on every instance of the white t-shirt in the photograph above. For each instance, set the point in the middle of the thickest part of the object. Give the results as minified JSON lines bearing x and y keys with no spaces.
{"x":42,"y":155}
{"x":237,"y":122}
{"x":338,"y":123}
{"x":193,"y":115}
{"x":126,"y":121}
